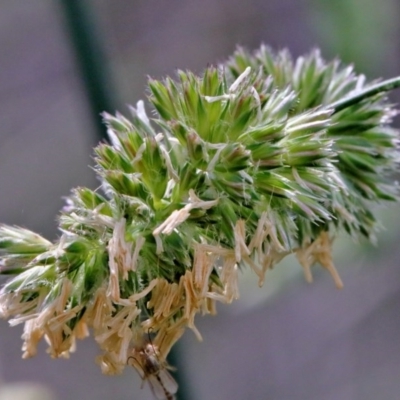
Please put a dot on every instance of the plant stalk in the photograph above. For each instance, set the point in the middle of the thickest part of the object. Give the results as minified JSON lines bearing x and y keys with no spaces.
{"x":380,"y":87}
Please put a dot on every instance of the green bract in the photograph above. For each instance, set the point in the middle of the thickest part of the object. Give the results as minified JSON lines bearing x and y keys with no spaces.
{"x":251,"y":161}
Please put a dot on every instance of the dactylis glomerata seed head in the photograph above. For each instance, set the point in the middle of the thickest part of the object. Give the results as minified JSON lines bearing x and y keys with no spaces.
{"x":259,"y":158}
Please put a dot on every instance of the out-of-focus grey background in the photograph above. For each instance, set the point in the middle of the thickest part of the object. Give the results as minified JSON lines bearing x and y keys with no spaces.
{"x":285,"y":341}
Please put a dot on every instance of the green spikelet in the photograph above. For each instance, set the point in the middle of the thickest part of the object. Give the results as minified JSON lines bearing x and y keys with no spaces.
{"x":259,"y":158}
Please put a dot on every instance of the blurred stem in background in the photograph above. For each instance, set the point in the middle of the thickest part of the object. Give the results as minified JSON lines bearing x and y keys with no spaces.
{"x":91,"y":60}
{"x":355,"y":31}
{"x":85,"y":38}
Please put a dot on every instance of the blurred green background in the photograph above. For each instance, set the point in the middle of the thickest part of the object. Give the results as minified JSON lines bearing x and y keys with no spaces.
{"x":287,"y":340}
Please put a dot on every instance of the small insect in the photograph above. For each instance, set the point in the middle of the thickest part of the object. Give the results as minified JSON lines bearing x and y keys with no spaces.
{"x":146,"y":361}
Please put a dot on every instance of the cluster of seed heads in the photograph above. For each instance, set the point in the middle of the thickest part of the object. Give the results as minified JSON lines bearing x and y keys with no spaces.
{"x":261,"y":157}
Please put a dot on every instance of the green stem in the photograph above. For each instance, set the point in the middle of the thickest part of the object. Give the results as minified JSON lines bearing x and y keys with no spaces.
{"x":87,"y":44}
{"x":380,"y":87}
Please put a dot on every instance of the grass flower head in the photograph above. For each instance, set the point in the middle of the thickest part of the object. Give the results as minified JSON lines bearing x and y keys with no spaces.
{"x":256,"y":159}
